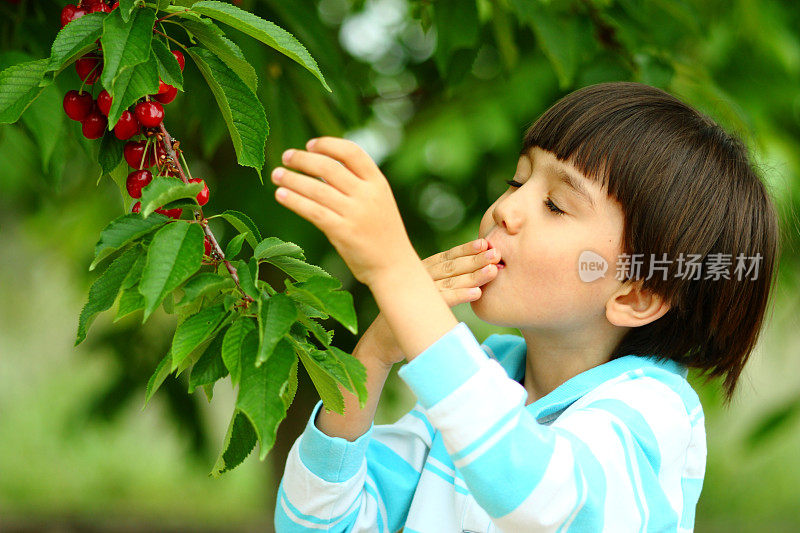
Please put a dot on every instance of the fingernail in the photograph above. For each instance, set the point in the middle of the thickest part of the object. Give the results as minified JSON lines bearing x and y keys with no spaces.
{"x":474,"y":292}
{"x":311,"y":143}
{"x":287,"y":155}
{"x":487,"y":269}
{"x":477,"y":244}
{"x":491,"y":254}
{"x":277,"y":173}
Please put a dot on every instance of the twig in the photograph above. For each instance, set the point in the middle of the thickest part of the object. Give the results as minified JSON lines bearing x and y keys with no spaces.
{"x":199,"y":214}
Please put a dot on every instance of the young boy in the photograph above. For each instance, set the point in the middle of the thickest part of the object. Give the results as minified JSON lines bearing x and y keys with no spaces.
{"x":609,"y":249}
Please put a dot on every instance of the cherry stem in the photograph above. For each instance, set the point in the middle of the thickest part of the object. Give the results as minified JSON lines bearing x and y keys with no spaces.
{"x":167,"y":140}
{"x":186,"y":165}
{"x":165,"y":17}
{"x":144,"y":153}
{"x":170,"y":38}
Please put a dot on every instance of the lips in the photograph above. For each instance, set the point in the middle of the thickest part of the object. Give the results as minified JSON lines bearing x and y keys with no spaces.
{"x":502,"y":263}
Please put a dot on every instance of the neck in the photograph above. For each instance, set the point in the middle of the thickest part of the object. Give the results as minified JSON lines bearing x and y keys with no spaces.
{"x":553,"y":358}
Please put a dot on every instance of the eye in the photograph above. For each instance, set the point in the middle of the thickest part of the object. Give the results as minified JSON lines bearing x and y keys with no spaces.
{"x":548,"y":202}
{"x":553,"y":207}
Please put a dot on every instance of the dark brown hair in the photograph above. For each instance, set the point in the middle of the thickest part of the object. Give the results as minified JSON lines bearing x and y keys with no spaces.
{"x":686,"y":186}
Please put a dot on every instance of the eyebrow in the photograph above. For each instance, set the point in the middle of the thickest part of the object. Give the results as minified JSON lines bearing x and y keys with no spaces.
{"x":570,"y":180}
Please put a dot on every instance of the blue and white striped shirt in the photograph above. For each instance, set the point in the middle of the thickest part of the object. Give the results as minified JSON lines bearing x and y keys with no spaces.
{"x":619,"y":447}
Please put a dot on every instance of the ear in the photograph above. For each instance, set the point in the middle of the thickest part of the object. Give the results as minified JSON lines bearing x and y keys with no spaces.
{"x":632,"y":306}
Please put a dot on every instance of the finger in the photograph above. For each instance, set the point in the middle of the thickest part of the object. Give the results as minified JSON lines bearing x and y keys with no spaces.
{"x":322,"y":166}
{"x":455,"y":297}
{"x":312,"y":188}
{"x":319,"y":215}
{"x":348,"y":153}
{"x":467,"y":248}
{"x":446,"y":266}
{"x":465,"y":281}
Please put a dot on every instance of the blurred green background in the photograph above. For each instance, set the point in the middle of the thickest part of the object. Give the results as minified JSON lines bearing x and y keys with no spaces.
{"x":439,"y":94}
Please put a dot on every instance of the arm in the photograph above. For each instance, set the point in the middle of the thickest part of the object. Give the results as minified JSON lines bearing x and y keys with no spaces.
{"x":615,"y":462}
{"x":346,"y":474}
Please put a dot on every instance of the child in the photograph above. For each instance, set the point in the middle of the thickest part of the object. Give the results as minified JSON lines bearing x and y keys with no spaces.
{"x":585,"y":422}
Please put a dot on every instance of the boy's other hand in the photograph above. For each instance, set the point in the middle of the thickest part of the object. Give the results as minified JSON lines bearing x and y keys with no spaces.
{"x":460,"y":271}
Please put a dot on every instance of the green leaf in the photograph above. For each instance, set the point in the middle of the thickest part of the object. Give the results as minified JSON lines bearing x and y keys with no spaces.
{"x":243,"y":224}
{"x":275,"y":316}
{"x":130,"y":85}
{"x":324,"y":336}
{"x":210,"y":367}
{"x":319,"y":292}
{"x":204,"y":283}
{"x":288,"y":394}
{"x":125,"y":44}
{"x":273,"y":247}
{"x":72,"y":40}
{"x":299,"y":270}
{"x":236,"y":341}
{"x":45,"y":125}
{"x":240,"y":107}
{"x":110,"y":155}
{"x":260,"y":392}
{"x":130,"y":300}
{"x":166,"y":189}
{"x":162,"y":371}
{"x":135,"y":273}
{"x":326,"y":386}
{"x":105,"y":289}
{"x":175,"y":254}
{"x":194,"y":330}
{"x":210,"y":36}
{"x":183,"y":203}
{"x":234,"y":246}
{"x":457,"y":28}
{"x":559,"y":37}
{"x":126,"y":8}
{"x":356,"y":372}
{"x":247,"y":279}
{"x":19,"y":86}
{"x":263,"y":30}
{"x":168,"y":68}
{"x":239,"y":442}
{"x":123,"y":230}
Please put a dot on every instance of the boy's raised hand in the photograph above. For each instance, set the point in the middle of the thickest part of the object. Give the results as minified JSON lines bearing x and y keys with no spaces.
{"x":352,"y":204}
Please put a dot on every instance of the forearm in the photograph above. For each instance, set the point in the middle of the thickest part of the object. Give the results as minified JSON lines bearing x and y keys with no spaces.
{"x":413,"y":307}
{"x":375,"y":341}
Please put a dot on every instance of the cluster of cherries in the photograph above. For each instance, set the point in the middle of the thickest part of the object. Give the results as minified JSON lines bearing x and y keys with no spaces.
{"x":142,"y":118}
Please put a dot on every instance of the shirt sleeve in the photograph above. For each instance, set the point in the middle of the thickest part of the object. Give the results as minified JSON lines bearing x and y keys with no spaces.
{"x":613,"y":464}
{"x":332,"y":484}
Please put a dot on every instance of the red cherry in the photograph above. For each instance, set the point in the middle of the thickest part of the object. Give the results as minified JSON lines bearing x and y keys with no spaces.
{"x":202,"y":196}
{"x":207,"y":244}
{"x":137,"y":207}
{"x":104,"y":102}
{"x":149,"y":114}
{"x":89,"y":68}
{"x":94,"y":125}
{"x":75,"y":14}
{"x":171,"y":213}
{"x":115,"y":5}
{"x":127,"y":126}
{"x":134,"y":151}
{"x":167,"y":96}
{"x":102,"y":6}
{"x":136,"y":180}
{"x":179,"y":56}
{"x":77,"y":105}
{"x":68,"y":14}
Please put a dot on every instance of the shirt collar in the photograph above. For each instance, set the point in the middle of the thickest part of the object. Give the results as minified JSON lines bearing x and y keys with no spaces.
{"x":571,"y":390}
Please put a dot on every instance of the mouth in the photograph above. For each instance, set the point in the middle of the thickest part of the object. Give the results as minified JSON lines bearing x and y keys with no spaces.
{"x":500,"y":264}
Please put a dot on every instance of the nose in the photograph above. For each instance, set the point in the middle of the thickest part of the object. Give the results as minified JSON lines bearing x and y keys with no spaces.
{"x":508,"y":214}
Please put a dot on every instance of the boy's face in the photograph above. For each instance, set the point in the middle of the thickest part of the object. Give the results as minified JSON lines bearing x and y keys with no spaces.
{"x":540,"y":287}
